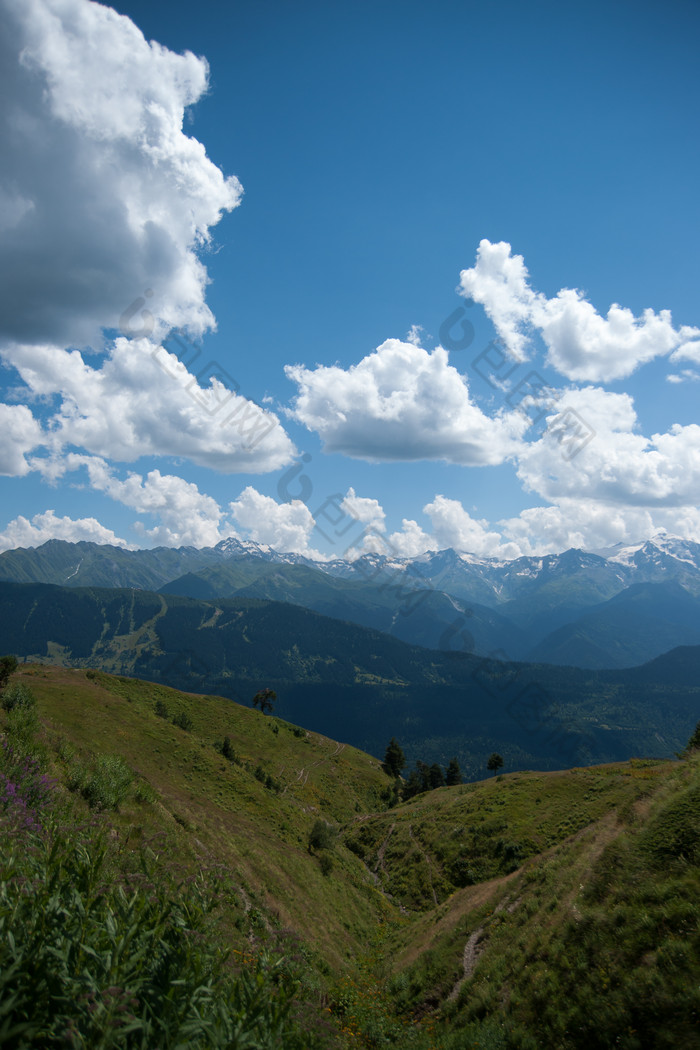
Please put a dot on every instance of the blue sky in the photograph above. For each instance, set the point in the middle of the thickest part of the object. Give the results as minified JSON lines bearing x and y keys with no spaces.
{"x":383,"y":150}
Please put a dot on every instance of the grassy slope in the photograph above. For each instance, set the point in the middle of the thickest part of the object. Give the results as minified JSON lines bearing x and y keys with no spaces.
{"x":208,"y":806}
{"x":578,"y":922}
{"x":595,"y":941}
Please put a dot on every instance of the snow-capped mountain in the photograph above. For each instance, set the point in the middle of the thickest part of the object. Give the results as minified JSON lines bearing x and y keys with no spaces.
{"x":656,"y":554}
{"x":494,"y":581}
{"x":441,"y":599}
{"x":233,"y":548}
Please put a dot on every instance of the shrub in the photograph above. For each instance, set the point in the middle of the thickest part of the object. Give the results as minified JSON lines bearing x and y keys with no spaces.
{"x":91,"y":963}
{"x":108,"y":784}
{"x":143,"y":792}
{"x":8,"y":666}
{"x":322,"y":836}
{"x":22,"y":718}
{"x":16,"y":696}
{"x":161,"y":709}
{"x":182,"y":721}
{"x":25,"y":791}
{"x":326,"y":862}
{"x":228,"y":750}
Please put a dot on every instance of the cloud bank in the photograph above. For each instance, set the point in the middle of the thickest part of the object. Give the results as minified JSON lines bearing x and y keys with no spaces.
{"x":581,"y":345}
{"x":142,"y":401}
{"x":47,"y":526}
{"x":106,"y":208}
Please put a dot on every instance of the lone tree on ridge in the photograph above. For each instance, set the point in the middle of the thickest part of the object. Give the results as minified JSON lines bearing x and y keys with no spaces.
{"x":265,"y":699}
{"x":494,"y":763}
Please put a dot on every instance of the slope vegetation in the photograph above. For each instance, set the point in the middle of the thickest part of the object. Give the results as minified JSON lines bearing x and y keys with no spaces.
{"x":534,"y":909}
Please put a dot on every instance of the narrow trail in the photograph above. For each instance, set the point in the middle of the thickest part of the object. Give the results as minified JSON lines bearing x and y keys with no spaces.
{"x":304,"y":771}
{"x":469,"y":958}
{"x":322,"y":761}
{"x":474,"y":947}
{"x":378,"y":886}
{"x":426,"y":858}
{"x":379,"y":866}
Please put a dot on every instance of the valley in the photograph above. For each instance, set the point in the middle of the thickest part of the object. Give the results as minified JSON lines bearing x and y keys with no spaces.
{"x":362,"y":686}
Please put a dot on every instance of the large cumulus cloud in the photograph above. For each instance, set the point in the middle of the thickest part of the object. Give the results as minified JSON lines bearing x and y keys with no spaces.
{"x":102,"y":194}
{"x":401,"y":403}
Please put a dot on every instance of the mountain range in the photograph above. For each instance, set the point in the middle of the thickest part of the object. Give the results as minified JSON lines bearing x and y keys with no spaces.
{"x":610,"y":608}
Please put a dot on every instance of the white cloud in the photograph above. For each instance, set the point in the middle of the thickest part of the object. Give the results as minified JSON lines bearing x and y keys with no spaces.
{"x":21,"y":433}
{"x":618,"y":466}
{"x":588,"y":524}
{"x":366,"y":510}
{"x":580,"y":523}
{"x":23,"y":533}
{"x":414,"y":334}
{"x":453,"y":526}
{"x":499,"y":281}
{"x":401,"y":403}
{"x":581,"y":345}
{"x":284,"y":526}
{"x":143,"y":401}
{"x":687,"y":375}
{"x":102,"y":195}
{"x":411,"y":540}
{"x":185,"y":516}
{"x":592,"y":524}
{"x":689,"y":351}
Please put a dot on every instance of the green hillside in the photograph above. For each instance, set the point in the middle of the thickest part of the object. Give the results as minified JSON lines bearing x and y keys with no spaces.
{"x":529,"y":910}
{"x":418,"y":616}
{"x":259,"y":832}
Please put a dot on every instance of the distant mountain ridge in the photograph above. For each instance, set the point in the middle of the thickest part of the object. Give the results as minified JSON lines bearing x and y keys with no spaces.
{"x":359,"y":685}
{"x":550,"y":608}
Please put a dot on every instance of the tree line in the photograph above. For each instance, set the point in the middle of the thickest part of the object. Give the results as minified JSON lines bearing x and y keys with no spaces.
{"x":426,"y":777}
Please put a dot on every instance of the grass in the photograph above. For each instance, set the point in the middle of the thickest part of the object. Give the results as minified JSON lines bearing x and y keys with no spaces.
{"x":454,"y":837}
{"x":96,"y":956}
{"x":210,"y":806}
{"x":578,"y":890}
{"x":593,"y":943}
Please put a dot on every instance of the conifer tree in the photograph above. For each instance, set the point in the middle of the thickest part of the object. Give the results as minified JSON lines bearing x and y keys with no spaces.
{"x":436,"y":777}
{"x":8,"y":666}
{"x":394,"y":759}
{"x":494,"y":763}
{"x":454,"y":773}
{"x":694,"y":742}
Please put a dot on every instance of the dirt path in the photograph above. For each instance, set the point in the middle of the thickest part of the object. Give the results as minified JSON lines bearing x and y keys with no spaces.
{"x":303,"y":773}
{"x":379,"y":866}
{"x":426,"y":858}
{"x":474,"y":947}
{"x":339,"y":748}
{"x":469,"y":958}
